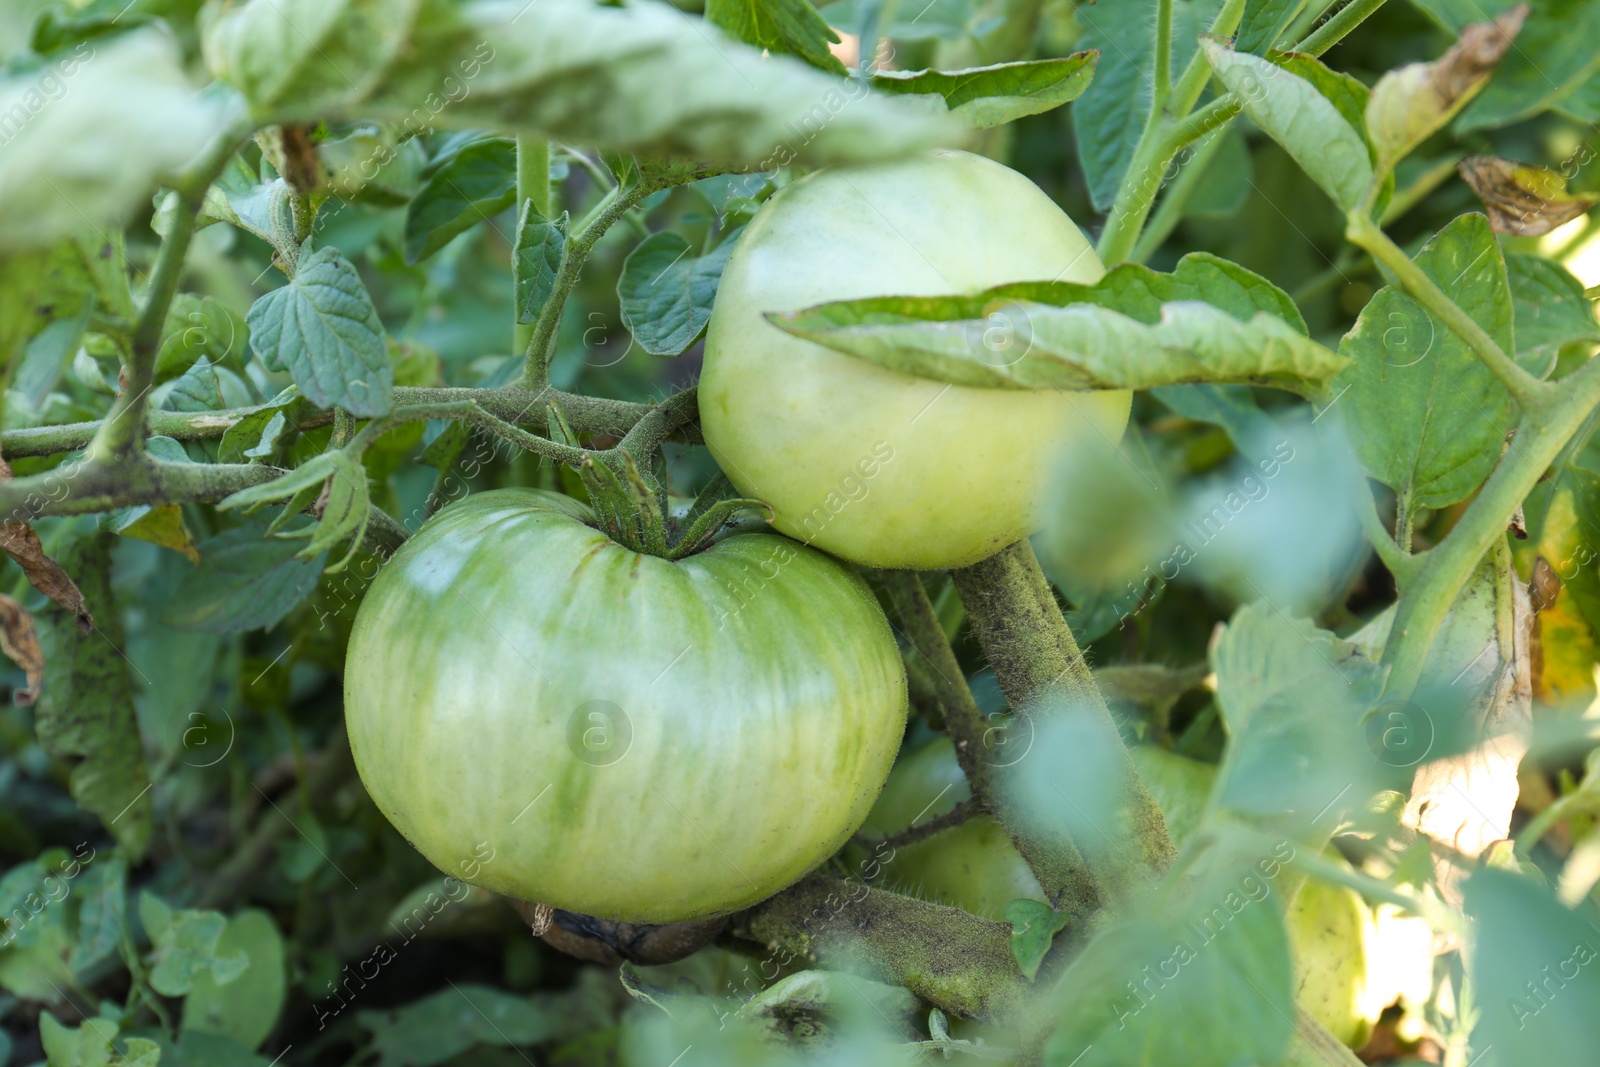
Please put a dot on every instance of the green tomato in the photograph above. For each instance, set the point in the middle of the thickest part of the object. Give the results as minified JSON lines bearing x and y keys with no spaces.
{"x":1179,"y":785}
{"x":1327,"y":929}
{"x":973,"y":866}
{"x":549,"y":715}
{"x":876,"y":466}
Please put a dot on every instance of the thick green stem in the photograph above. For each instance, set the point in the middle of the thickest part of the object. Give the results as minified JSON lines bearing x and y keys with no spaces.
{"x":1162,"y":81}
{"x":1524,"y":387}
{"x":1338,"y":27}
{"x":1030,"y":647}
{"x":1054,"y":860}
{"x":1170,"y":213}
{"x":533,"y":183}
{"x":1448,"y":566}
{"x":954,"y":960}
{"x":122,"y":431}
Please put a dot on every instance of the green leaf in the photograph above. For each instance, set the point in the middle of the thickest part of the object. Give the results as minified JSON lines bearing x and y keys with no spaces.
{"x":1001,"y":93}
{"x":102,"y":915}
{"x":88,"y":1045}
{"x":160,"y":524}
{"x":129,"y":117}
{"x":40,"y":290}
{"x":1109,"y":116}
{"x":666,"y":293}
{"x":200,"y":328}
{"x":1428,"y":418}
{"x":1535,"y":971}
{"x":790,"y":27}
{"x":1412,"y":102}
{"x":322,"y":328}
{"x":431,"y":1030}
{"x":1264,"y":21}
{"x":245,"y":581}
{"x":987,"y":339}
{"x":1205,"y":980}
{"x":1549,"y":310}
{"x":1293,"y":697}
{"x":245,"y":1009}
{"x":198,"y":390}
{"x":1554,"y":57}
{"x":1291,"y":111}
{"x":346,"y":507}
{"x":266,"y":209}
{"x":85,"y":715}
{"x":473,"y":184}
{"x":536,"y":259}
{"x":1034,"y":925}
{"x":645,"y":79}
{"x":251,"y":437}
{"x":187,"y":947}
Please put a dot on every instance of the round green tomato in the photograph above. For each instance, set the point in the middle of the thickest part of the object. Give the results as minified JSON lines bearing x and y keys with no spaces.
{"x":1179,"y":785}
{"x":870,"y":464}
{"x":973,"y":865}
{"x":549,"y":715}
{"x":1327,"y":928}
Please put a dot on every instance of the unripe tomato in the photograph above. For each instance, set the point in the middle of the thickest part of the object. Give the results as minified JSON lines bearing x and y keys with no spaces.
{"x":549,"y":715}
{"x":870,"y":464}
{"x":972,"y":866}
{"x":1327,"y":940}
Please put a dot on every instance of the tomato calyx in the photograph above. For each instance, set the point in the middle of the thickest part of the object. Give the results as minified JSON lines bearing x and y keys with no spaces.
{"x":628,"y":494}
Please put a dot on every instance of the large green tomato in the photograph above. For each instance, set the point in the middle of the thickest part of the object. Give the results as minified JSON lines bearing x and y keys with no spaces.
{"x":972,"y":866}
{"x":1327,"y":940}
{"x":549,"y":715}
{"x":872,"y":465}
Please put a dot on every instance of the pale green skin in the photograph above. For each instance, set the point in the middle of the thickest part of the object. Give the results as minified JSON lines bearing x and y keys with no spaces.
{"x":804,"y":428}
{"x":973,"y":866}
{"x":1326,"y":925}
{"x":766,"y":707}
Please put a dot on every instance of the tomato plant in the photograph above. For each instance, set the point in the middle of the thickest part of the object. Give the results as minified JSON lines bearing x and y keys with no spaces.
{"x":724,"y":533}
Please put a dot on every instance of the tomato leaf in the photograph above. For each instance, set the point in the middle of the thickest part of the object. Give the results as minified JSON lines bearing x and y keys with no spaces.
{"x":1208,"y":321}
{"x":568,"y":70}
{"x":1410,"y":103}
{"x":245,"y":1009}
{"x":1523,"y":201}
{"x":1554,"y":59}
{"x":1310,"y":127}
{"x":245,"y":581}
{"x":536,"y":260}
{"x":1522,"y":936}
{"x":85,"y":714}
{"x":475,"y":182}
{"x":1293,"y":697}
{"x":252,"y":436}
{"x":666,"y":293}
{"x":1549,"y":309}
{"x":322,"y":328}
{"x":792,"y":27}
{"x":1001,"y":93}
{"x":1264,"y":21}
{"x":1034,"y":925}
{"x":1207,"y":980}
{"x":185,"y":945}
{"x":436,"y":1028}
{"x":1428,"y":418}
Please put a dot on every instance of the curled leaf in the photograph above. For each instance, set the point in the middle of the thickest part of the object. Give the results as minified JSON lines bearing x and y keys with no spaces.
{"x":1412,"y":102}
{"x":1521,"y":200}
{"x":20,"y":641}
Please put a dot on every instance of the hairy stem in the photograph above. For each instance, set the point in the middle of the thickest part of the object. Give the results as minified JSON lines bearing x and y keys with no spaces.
{"x":1338,"y":27}
{"x":946,"y":956}
{"x":1524,"y":387}
{"x":1035,"y":658}
{"x":533,"y":183}
{"x":122,"y":431}
{"x":1062,"y":873}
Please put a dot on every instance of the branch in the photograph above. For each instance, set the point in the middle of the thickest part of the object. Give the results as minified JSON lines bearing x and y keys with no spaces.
{"x":1448,"y":566}
{"x":1528,"y":391}
{"x":967,"y":809}
{"x":122,"y":432}
{"x":1338,"y":27}
{"x":1030,"y":647}
{"x":513,"y":404}
{"x":1054,"y":860}
{"x":948,"y":957}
